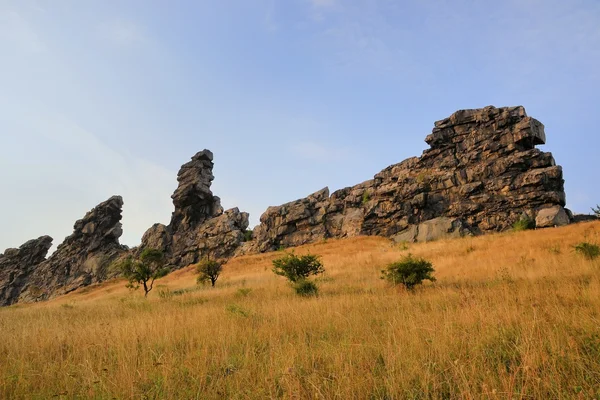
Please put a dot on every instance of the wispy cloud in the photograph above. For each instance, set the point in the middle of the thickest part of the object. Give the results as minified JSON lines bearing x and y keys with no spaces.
{"x":101,"y":171}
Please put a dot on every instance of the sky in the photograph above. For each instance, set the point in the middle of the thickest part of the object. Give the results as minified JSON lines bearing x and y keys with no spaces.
{"x":109,"y":97}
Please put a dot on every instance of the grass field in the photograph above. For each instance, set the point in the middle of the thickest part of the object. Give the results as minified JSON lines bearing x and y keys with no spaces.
{"x":511,"y":316}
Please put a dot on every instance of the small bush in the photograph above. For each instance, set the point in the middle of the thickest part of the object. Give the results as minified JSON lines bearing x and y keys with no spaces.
{"x":365,"y":197}
{"x":523,"y":224}
{"x":596,"y":211}
{"x":248,"y":235}
{"x":588,"y":250}
{"x":208,"y":271}
{"x":305,"y":288}
{"x":410,"y":271}
{"x":296,"y":268}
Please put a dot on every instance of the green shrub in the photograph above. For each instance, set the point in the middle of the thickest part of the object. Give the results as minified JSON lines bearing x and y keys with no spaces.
{"x":410,"y":271}
{"x":305,"y":288}
{"x":588,"y":250}
{"x":524,"y":223}
{"x":596,"y":211}
{"x":248,"y":235}
{"x":296,"y":268}
{"x":208,"y":271}
{"x":365,"y":197}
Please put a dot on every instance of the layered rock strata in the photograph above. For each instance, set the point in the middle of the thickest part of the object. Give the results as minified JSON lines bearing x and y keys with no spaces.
{"x":17,"y":265}
{"x":82,"y":258}
{"x":481,"y":173}
{"x":199,"y":227}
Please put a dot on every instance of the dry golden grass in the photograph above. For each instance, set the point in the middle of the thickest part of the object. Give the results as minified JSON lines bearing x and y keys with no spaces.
{"x":513,"y":315}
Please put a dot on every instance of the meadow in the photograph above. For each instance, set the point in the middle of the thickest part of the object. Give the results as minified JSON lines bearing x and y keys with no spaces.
{"x":511,"y":316}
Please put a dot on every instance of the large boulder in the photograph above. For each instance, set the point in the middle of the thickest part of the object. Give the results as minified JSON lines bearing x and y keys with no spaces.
{"x":551,"y":216}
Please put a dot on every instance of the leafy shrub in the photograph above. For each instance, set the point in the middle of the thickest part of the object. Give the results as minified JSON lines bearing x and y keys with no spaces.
{"x":296,"y":268}
{"x":524,"y":223}
{"x":596,"y":211}
{"x":588,"y":250}
{"x":248,"y":235}
{"x":410,"y":271}
{"x":305,"y":288}
{"x":208,"y":271}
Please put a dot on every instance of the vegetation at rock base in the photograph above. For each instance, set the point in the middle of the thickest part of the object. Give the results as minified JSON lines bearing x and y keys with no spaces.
{"x":524,"y":223}
{"x":208,"y":271}
{"x":143,"y":271}
{"x":409,"y":271}
{"x":492,"y":327}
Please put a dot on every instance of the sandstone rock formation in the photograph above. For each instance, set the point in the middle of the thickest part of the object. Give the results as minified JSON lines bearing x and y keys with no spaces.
{"x":17,"y":265}
{"x":199,"y":227}
{"x":481,"y":173}
{"x":84,"y":256}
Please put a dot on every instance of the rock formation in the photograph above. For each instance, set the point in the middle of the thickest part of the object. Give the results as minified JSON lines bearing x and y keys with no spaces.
{"x":199,"y":227}
{"x":84,"y":256}
{"x":17,"y":265}
{"x":481,"y":173}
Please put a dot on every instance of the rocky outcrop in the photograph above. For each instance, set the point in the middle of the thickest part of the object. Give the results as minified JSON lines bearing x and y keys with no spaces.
{"x":199,"y":227}
{"x":17,"y":265}
{"x":83,"y":258}
{"x":481,"y":173}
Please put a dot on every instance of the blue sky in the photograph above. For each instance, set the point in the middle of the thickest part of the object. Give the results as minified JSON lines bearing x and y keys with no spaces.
{"x":111,"y":97}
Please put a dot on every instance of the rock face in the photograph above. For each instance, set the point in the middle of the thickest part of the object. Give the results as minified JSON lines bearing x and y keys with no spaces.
{"x":84,"y":256}
{"x":199,"y":227}
{"x":17,"y":265}
{"x":481,"y":173}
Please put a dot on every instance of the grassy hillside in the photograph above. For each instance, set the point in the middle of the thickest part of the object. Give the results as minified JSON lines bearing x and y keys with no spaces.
{"x":513,"y":315}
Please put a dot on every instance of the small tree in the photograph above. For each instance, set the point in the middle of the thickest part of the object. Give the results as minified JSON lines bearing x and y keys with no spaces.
{"x":209,"y":271}
{"x":143,"y":270}
{"x":297,"y":270}
{"x":596,"y":211}
{"x":409,"y":271}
